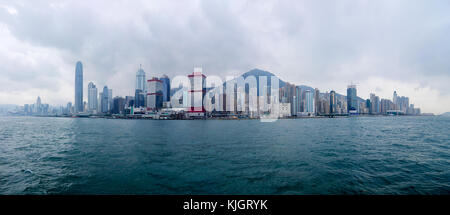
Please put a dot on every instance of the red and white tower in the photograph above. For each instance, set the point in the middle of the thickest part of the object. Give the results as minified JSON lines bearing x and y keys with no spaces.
{"x":197,"y":93}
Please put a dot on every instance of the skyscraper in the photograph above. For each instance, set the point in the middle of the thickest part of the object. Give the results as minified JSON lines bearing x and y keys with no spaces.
{"x":375,"y":104}
{"x":298,"y":100}
{"x":332,"y":102}
{"x":110,"y":100}
{"x":92,"y":97}
{"x":129,"y":101}
{"x":154,"y":94}
{"x":394,"y":98}
{"x":405,"y":103}
{"x":400,"y":102}
{"x":99,"y":102}
{"x":317,"y":101}
{"x":140,"y":79}
{"x":368,"y":106}
{"x":352,"y":101}
{"x":139,"y":98}
{"x":119,"y":104}
{"x":197,"y":93}
{"x":166,"y":88}
{"x":309,"y":99}
{"x":386,"y":105}
{"x":79,"y":87}
{"x":38,"y":106}
{"x":105,"y":100}
{"x":291,"y":91}
{"x":69,"y":107}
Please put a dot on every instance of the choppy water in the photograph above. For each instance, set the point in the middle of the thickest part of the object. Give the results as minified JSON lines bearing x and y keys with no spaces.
{"x":367,"y":155}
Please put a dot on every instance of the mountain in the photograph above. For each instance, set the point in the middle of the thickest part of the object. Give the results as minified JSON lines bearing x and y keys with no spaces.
{"x":5,"y":108}
{"x":447,"y":114}
{"x":258,"y":73}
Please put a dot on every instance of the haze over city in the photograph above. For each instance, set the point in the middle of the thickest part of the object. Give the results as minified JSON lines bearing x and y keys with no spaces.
{"x":382,"y":46}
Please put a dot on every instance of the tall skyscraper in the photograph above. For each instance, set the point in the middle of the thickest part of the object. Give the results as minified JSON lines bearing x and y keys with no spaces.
{"x":110,"y":100}
{"x":197,"y":93}
{"x":38,"y":106}
{"x":69,"y":107}
{"x":317,"y":101}
{"x":298,"y":100}
{"x":394,"y":98}
{"x":375,"y":104}
{"x":332,"y":102}
{"x":386,"y":105}
{"x":291,"y":91}
{"x":79,"y":87}
{"x":92,"y":97}
{"x":166,"y":88}
{"x":352,"y":101}
{"x":38,"y":102}
{"x":105,"y":100}
{"x":99,"y":102}
{"x":309,"y":99}
{"x":405,"y":103}
{"x":368,"y":106}
{"x":140,"y":79}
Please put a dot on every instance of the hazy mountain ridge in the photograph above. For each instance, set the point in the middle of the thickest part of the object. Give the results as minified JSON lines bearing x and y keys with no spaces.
{"x":258,"y":72}
{"x":5,"y":108}
{"x":446,"y":114}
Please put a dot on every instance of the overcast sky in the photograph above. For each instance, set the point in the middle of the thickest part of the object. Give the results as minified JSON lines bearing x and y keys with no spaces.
{"x":380,"y":45}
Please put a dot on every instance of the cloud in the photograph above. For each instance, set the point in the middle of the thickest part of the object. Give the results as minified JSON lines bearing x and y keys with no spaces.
{"x":324,"y":44}
{"x":28,"y":71}
{"x":10,"y":10}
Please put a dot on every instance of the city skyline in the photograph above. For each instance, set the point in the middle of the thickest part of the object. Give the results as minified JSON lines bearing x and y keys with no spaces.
{"x":204,"y":97}
{"x":102,"y":102}
{"x":395,"y":46}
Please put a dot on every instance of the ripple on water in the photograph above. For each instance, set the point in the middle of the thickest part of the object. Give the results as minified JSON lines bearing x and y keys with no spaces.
{"x":369,"y":155}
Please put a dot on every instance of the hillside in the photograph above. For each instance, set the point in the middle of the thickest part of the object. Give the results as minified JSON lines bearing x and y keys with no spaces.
{"x":257,"y":73}
{"x":447,"y":114}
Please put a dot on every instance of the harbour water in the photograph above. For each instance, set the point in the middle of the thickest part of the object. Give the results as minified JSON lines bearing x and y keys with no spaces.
{"x":357,"y":155}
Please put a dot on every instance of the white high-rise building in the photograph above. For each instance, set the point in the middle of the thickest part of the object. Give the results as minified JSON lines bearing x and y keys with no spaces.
{"x":197,"y":93}
{"x":92,"y":97}
{"x":140,"y":79}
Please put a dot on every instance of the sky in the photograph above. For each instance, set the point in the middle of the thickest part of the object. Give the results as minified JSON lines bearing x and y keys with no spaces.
{"x":381,"y":46}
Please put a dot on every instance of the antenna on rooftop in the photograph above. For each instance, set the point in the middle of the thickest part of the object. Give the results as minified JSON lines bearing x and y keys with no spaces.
{"x":352,"y":84}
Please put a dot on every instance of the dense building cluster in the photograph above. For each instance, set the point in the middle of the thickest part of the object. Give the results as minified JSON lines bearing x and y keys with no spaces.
{"x":153,"y":99}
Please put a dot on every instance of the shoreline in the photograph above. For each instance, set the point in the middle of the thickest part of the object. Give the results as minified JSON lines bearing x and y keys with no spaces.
{"x":140,"y":117}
